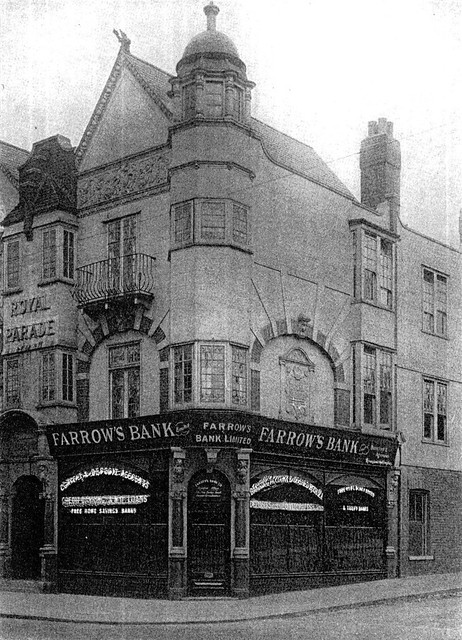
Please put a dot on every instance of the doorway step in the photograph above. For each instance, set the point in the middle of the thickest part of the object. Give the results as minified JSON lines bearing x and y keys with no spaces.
{"x":26,"y":586}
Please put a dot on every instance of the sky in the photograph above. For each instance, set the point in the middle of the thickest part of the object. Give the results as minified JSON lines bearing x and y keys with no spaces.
{"x":323,"y":69}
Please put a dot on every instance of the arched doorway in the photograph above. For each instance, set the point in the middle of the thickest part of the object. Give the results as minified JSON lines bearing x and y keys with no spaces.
{"x":27,"y":523}
{"x":209,"y":534}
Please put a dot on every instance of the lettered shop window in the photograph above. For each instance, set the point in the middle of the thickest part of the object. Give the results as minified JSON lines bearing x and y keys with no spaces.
{"x":419,"y":523}
{"x":124,"y":380}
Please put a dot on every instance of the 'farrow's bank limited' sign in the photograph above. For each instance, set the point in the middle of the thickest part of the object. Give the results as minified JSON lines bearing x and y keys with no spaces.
{"x":222,"y":429}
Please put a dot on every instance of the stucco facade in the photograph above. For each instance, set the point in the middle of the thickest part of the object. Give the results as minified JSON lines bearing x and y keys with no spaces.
{"x":249,"y":380}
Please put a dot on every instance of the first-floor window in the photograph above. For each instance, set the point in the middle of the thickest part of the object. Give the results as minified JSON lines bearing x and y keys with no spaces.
{"x":12,"y":382}
{"x":212,"y":373}
{"x":12,"y":264}
{"x":48,"y":390}
{"x":419,"y":523}
{"x":239,"y":376}
{"x":124,"y":380}
{"x":435,"y":403}
{"x":377,"y":387}
{"x":182,"y":374}
{"x":68,"y":377}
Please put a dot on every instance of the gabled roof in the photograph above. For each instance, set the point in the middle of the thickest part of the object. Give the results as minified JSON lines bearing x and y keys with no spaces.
{"x":153,"y":80}
{"x":297,"y":156}
{"x":11,"y":158}
{"x":281,"y":148}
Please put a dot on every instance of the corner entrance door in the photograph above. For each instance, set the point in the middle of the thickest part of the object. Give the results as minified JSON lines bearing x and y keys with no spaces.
{"x":27,"y":528}
{"x":209,"y":506}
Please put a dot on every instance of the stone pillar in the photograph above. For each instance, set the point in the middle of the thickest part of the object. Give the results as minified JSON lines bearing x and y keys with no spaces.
{"x":48,"y":553}
{"x":229,"y":94}
{"x":200,"y":87}
{"x":247,"y":104}
{"x":177,"y":580}
{"x":240,"y":560}
{"x":5,"y":548}
{"x":393,"y":478}
{"x":176,"y":99}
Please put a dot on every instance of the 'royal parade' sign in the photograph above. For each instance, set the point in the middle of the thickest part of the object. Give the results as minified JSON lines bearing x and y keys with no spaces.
{"x":222,"y":429}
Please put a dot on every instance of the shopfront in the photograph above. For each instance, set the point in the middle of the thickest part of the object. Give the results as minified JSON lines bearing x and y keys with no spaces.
{"x":215,"y":503}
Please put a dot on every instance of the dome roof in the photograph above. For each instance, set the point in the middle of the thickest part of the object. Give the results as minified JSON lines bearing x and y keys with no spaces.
{"x":211,"y":42}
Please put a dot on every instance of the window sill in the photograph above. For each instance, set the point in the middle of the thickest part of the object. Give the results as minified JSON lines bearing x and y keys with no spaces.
{"x":377,"y":305}
{"x":434,"y":442}
{"x":56,"y":403}
{"x":218,"y":243}
{"x":12,"y":292}
{"x":435,"y":335}
{"x":45,"y":283}
{"x":420,"y":558}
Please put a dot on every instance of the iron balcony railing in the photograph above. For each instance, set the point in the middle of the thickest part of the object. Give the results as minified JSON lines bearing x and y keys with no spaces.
{"x":114,"y":278}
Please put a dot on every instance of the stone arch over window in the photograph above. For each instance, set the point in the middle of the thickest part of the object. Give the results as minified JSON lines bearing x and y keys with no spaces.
{"x":123,"y":377}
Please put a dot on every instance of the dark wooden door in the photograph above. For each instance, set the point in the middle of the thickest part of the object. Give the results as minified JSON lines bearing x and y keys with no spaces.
{"x":209,"y":505}
{"x":27,"y":528}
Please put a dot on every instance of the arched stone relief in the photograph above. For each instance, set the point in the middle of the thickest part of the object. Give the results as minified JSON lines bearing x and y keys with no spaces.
{"x":296,"y":371}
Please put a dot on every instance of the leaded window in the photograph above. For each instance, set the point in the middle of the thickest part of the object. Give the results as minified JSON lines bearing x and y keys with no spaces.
{"x":213,"y":99}
{"x":124,"y":379}
{"x":212,"y":373}
{"x":370,"y":266}
{"x":239,"y":376}
{"x":68,"y":377}
{"x":435,"y":303}
{"x":182,"y":228}
{"x":435,"y":409}
{"x":49,"y":266}
{"x":377,"y":387}
{"x":419,"y":523}
{"x":182,"y":374}
{"x":48,"y":380}
{"x":12,"y":383}
{"x":213,"y":220}
{"x":240,"y":224}
{"x":68,"y":254}
{"x":12,"y":265}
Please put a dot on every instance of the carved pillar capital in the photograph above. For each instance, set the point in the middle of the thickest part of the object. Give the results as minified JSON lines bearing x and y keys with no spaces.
{"x":212,"y":456}
{"x":178,"y":465}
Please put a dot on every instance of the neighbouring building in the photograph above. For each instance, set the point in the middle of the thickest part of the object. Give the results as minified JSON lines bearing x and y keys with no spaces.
{"x":222,"y":373}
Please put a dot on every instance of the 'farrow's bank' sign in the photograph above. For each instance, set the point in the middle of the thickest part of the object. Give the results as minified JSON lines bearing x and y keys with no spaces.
{"x":222,"y":429}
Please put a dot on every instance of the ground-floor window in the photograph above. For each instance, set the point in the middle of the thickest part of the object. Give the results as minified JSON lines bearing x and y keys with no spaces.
{"x":302,"y":523}
{"x":113,"y":520}
{"x":419,"y":523}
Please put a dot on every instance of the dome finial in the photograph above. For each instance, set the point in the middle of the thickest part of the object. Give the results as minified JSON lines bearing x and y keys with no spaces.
{"x":211,"y":11}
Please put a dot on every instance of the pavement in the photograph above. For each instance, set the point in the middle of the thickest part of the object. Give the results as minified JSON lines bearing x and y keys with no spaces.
{"x":130,"y":611}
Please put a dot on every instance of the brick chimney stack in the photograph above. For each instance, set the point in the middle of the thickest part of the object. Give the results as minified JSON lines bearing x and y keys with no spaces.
{"x":380,"y":163}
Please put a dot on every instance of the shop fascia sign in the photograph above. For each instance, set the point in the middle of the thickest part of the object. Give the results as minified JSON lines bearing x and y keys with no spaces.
{"x":221,"y":429}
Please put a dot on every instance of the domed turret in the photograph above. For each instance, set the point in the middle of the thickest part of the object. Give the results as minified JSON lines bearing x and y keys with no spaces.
{"x":211,"y":78}
{"x":211,"y":40}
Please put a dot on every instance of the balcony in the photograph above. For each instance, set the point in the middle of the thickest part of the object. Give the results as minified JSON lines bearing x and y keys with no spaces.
{"x":124,"y":280}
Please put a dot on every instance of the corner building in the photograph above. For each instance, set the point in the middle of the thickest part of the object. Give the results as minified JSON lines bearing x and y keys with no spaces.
{"x":203,"y":353}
